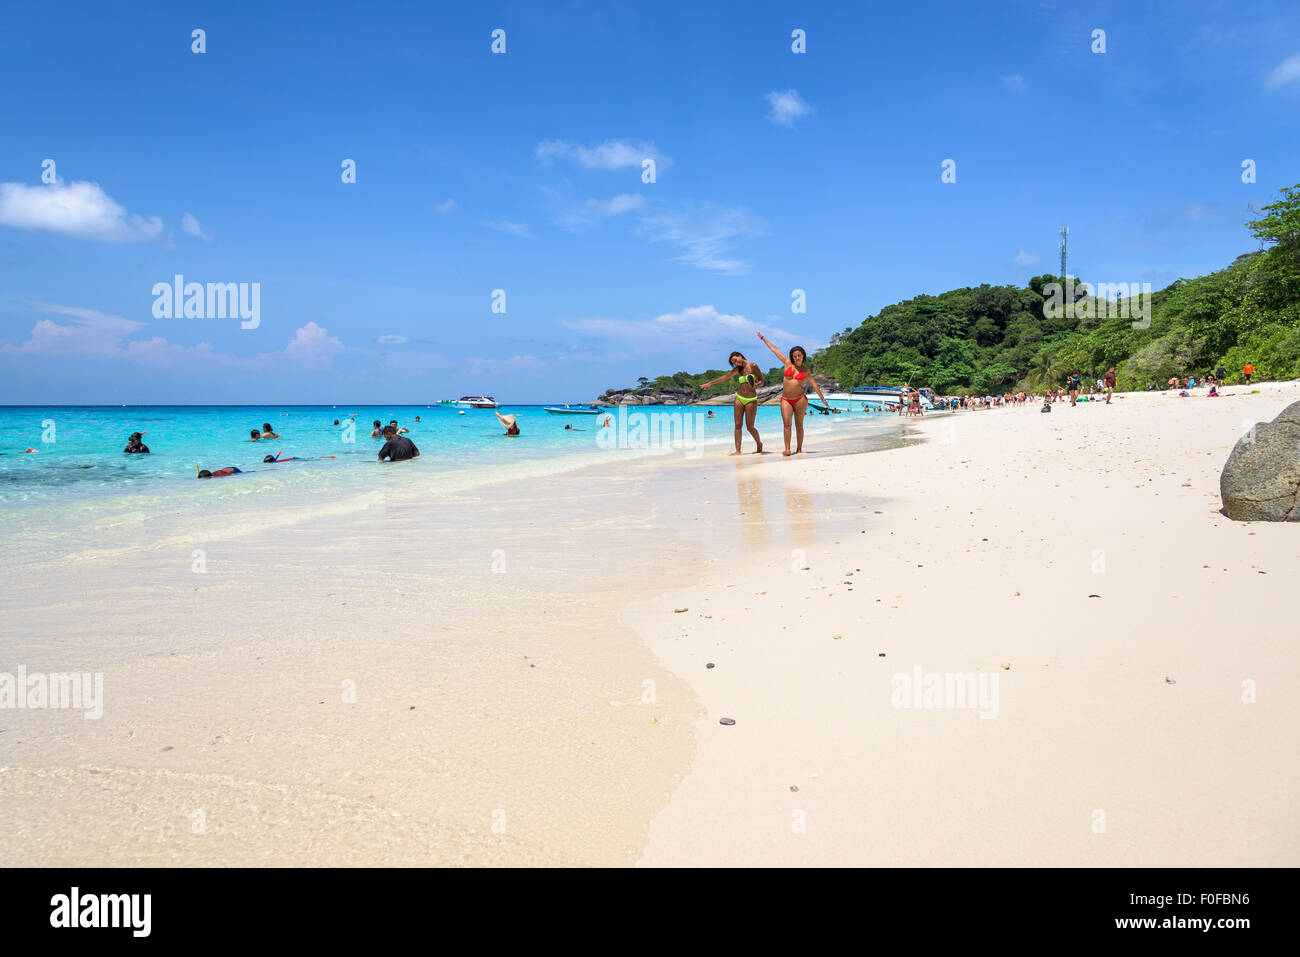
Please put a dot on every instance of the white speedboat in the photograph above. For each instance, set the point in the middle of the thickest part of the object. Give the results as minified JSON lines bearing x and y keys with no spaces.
{"x":574,"y":409}
{"x":476,"y":402}
{"x":875,"y":398}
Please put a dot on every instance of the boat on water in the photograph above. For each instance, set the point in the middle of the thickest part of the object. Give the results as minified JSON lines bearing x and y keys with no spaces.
{"x":584,"y":409}
{"x":473,"y":402}
{"x":877,"y":398}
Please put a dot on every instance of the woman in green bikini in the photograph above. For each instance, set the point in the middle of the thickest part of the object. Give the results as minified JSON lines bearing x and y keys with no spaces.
{"x":746,"y":404}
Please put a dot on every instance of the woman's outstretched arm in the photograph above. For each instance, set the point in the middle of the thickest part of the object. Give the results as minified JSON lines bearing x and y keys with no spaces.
{"x":785,"y":360}
{"x":721,"y":378}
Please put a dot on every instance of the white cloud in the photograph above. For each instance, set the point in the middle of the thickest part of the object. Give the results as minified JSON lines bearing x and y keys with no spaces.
{"x":445,"y":207}
{"x":619,"y":204}
{"x":1015,"y":83}
{"x":1288,"y":71}
{"x":594,"y":210}
{"x":506,"y":226}
{"x":91,"y":333}
{"x":191,"y":226}
{"x":312,"y":345}
{"x":705,"y":234}
{"x":703,"y":325}
{"x":106,"y":336}
{"x":611,"y":154}
{"x":1026,"y":259}
{"x":787,"y":107}
{"x":392,"y":340}
{"x":78,"y":209}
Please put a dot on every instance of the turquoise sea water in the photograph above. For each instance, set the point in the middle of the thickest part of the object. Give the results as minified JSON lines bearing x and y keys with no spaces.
{"x":80,"y":492}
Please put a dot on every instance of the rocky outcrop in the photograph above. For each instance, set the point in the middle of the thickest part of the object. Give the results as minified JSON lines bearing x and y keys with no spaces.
{"x":651,"y":396}
{"x":647,"y":396}
{"x":767,"y":393}
{"x":1261,"y":479}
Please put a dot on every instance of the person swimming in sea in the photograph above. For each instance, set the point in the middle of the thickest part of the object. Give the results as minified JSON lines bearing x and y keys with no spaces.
{"x":217,"y":473}
{"x":377,"y":431}
{"x":272,"y":459}
{"x":794,"y":401}
{"x":745,"y":405}
{"x":268,"y":432}
{"x":135,"y":445}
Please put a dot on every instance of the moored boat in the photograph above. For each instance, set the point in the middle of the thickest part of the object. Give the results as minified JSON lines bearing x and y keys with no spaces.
{"x":876,"y":398}
{"x":475,"y":402}
{"x":587,"y":409}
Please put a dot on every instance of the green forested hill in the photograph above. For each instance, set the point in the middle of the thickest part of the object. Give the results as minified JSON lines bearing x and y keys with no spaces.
{"x":996,"y":338}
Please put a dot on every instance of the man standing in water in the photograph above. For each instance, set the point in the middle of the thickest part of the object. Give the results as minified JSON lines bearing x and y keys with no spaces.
{"x":397,"y":448}
{"x":1109,"y":380}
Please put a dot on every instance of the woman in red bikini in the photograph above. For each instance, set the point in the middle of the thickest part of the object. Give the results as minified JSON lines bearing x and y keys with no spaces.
{"x":794,"y":403}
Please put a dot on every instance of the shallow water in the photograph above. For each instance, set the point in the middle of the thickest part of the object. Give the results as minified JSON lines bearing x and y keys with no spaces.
{"x":80,"y":493}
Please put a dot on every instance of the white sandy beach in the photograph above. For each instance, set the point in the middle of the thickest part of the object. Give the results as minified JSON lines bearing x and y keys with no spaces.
{"x":561,"y":711}
{"x":1120,"y":736}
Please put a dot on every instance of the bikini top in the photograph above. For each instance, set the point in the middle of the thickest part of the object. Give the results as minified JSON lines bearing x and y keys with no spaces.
{"x":790,"y":374}
{"x":747,"y":377}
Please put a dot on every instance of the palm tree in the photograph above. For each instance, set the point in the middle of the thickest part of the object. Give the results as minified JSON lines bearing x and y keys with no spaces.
{"x":1046,"y":369}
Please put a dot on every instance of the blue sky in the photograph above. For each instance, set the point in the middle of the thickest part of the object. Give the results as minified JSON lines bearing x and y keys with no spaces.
{"x":522,"y":172}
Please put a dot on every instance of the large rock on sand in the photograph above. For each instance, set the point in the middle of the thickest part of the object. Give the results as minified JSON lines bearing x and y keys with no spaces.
{"x":1261,"y":479}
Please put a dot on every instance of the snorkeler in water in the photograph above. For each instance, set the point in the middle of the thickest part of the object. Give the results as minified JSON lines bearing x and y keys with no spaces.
{"x":217,"y":473}
{"x":135,"y":444}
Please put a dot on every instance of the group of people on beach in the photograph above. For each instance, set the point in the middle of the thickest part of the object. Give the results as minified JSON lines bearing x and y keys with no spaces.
{"x":794,"y":397}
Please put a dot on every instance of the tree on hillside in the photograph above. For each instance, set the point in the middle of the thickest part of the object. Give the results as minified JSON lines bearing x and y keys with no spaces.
{"x":1282,"y":224}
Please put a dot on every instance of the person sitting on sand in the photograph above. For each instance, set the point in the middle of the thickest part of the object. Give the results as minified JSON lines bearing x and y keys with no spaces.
{"x":794,"y":401}
{"x":135,"y":445}
{"x":217,"y":473}
{"x":268,"y":432}
{"x":1214,"y":392}
{"x":510,"y":422}
{"x":397,"y":448}
{"x":745,"y":405}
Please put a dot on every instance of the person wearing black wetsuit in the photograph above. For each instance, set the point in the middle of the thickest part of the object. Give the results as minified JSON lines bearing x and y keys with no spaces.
{"x":135,"y":445}
{"x":397,"y":448}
